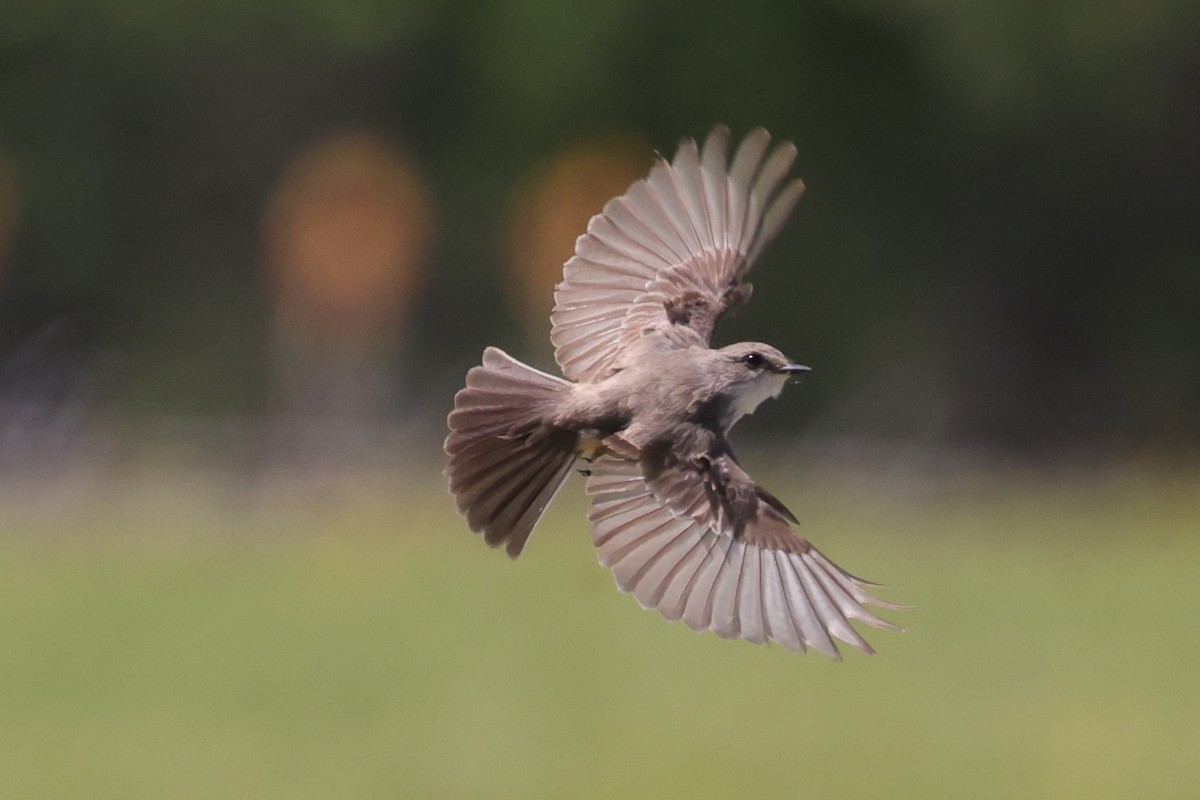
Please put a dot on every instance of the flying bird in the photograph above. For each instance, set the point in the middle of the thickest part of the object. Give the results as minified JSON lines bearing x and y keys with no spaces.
{"x":647,"y":406}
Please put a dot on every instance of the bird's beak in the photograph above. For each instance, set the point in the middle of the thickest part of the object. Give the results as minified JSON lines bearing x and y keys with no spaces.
{"x":793,"y":369}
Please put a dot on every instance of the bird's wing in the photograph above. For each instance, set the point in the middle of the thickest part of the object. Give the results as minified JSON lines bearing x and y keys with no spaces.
{"x":721,"y":567}
{"x":669,"y":256}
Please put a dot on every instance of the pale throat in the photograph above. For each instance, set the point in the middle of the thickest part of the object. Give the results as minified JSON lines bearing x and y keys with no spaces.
{"x":746,"y":397}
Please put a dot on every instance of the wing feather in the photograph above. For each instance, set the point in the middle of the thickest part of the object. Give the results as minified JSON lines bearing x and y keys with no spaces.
{"x":741,"y":174}
{"x":643,"y":230}
{"x":697,"y":612}
{"x":668,"y":257}
{"x":808,"y":617}
{"x":773,"y":170}
{"x":684,"y":560}
{"x":724,"y":611}
{"x":776,"y":214}
{"x":713,"y":159}
{"x":751,"y":605}
{"x":652,"y":580}
{"x":643,"y":201}
{"x":607,"y":236}
{"x":688,"y":176}
{"x":674,"y":599}
{"x":663,"y":190}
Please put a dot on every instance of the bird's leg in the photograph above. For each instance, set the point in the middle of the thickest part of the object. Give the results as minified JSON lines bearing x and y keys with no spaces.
{"x":591,"y":447}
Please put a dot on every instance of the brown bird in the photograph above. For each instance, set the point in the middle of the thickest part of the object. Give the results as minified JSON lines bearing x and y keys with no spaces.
{"x":649,"y":406}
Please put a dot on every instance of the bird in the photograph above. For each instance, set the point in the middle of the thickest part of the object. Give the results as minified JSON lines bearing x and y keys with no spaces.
{"x":645,"y":408}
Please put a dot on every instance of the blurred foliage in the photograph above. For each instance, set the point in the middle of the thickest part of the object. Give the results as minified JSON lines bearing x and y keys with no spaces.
{"x":999,"y":242}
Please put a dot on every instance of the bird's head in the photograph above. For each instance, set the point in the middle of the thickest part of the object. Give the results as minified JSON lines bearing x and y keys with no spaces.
{"x":752,"y":372}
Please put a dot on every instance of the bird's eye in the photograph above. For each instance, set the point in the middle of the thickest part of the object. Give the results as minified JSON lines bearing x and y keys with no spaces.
{"x":753,"y":360}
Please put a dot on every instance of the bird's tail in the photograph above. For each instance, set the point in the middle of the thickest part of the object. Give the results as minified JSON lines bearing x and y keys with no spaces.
{"x":505,"y":464}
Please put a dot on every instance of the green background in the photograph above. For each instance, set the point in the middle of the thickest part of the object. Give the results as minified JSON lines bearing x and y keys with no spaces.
{"x":351,"y":640}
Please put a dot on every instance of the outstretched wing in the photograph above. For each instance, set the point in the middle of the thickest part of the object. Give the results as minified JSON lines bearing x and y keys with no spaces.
{"x":736,"y":573}
{"x":668,"y":257}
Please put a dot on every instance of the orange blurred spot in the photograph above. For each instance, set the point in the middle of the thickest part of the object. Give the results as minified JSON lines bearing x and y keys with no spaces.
{"x":346,"y":236}
{"x":550,"y":210}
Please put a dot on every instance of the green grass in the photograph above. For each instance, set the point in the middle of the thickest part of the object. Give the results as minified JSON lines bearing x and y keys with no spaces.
{"x":173,"y":636}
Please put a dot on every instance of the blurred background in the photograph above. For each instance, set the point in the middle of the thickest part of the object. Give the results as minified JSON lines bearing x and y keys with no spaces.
{"x":248,"y":250}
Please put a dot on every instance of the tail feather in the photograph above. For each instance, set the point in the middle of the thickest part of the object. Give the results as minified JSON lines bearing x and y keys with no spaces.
{"x":505,"y":466}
